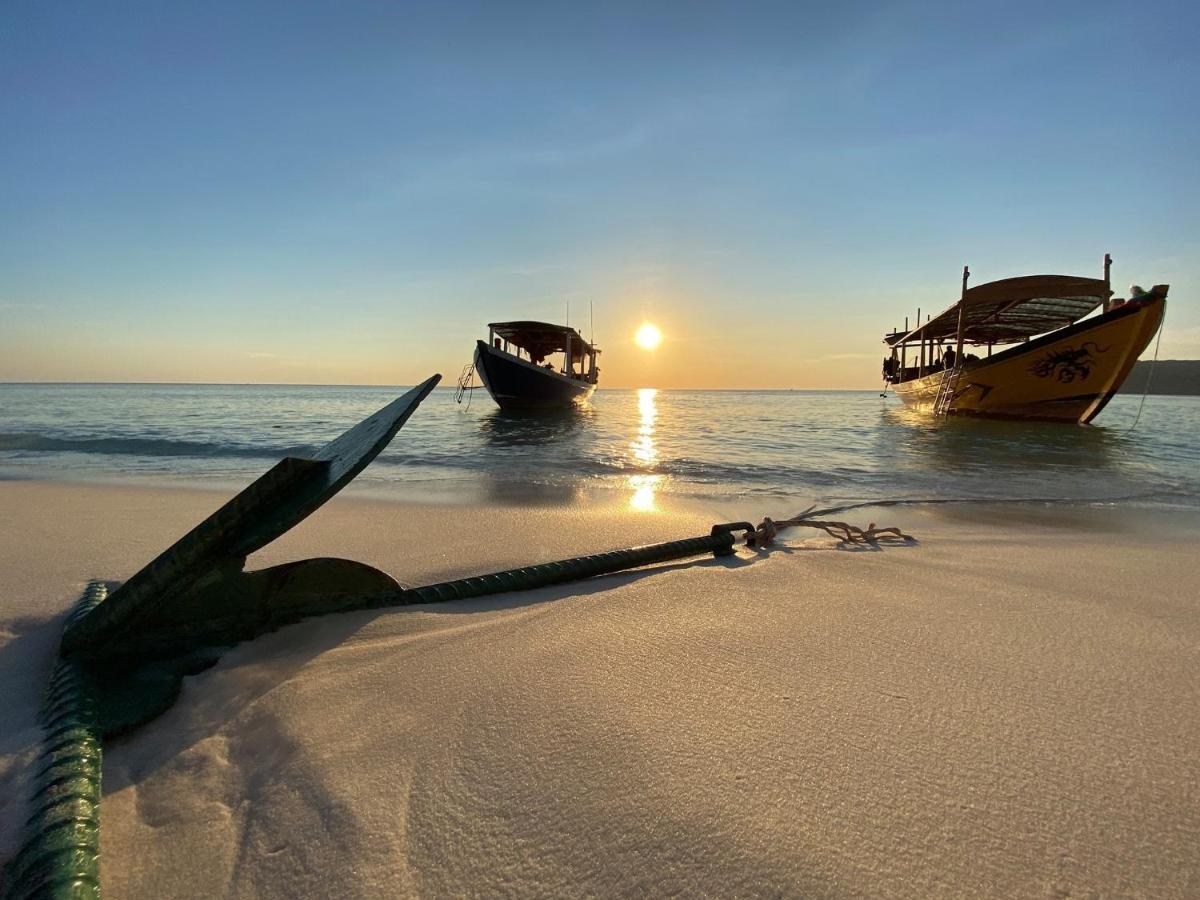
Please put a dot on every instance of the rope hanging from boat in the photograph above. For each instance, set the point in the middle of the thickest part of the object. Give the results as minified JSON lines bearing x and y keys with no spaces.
{"x":1150,"y":374}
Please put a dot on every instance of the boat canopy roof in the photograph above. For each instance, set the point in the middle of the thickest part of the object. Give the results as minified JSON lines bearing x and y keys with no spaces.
{"x":540,"y":339}
{"x":1010,"y":310}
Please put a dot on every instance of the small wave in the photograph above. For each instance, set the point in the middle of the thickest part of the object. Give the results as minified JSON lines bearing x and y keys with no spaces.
{"x":123,"y":446}
{"x":579,"y":465}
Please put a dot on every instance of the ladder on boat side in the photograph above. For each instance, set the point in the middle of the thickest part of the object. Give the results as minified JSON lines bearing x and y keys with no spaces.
{"x":466,"y":384}
{"x":947,"y":392}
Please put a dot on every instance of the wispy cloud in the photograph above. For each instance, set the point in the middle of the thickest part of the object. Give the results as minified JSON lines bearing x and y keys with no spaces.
{"x":1180,"y":342}
{"x":587,"y":150}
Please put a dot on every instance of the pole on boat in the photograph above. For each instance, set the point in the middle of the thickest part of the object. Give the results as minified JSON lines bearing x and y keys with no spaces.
{"x":962,"y":303}
{"x":592,"y":340}
{"x":921,"y":364}
{"x":1107,"y":282}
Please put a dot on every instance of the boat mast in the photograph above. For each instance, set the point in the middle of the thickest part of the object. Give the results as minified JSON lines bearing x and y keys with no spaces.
{"x":1107,"y":282}
{"x":921,"y":365}
{"x":962,"y":303}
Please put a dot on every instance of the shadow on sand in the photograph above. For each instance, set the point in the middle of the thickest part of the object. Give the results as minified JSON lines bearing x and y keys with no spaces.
{"x":277,"y":657}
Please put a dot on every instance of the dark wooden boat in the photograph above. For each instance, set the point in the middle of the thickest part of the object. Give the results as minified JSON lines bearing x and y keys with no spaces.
{"x":1057,"y":362}
{"x":536,"y":366}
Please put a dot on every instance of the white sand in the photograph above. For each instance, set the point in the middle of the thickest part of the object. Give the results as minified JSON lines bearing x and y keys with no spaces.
{"x":1004,"y":710}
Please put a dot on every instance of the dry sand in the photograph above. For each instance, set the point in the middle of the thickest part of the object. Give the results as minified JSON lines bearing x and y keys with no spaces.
{"x":1009,"y":708}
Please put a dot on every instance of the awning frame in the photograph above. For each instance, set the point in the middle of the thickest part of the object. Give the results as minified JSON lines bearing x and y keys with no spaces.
{"x":1012,"y":309}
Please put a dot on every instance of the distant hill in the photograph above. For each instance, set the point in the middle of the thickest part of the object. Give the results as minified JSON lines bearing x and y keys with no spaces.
{"x":1171,"y":376}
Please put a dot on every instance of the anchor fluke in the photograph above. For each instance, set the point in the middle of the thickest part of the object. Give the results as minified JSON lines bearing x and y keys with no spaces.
{"x":214,"y":552}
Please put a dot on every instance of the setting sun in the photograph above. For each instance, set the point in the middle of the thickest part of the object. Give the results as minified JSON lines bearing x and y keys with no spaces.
{"x":648,"y":336}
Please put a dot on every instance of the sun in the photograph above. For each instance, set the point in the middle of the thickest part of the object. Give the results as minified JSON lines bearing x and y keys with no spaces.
{"x":648,"y":336}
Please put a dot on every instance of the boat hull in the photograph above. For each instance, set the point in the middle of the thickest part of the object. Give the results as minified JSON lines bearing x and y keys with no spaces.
{"x":1067,"y":376}
{"x":518,"y":385}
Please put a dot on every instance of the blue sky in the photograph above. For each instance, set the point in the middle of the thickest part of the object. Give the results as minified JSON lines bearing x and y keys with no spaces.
{"x":349,"y":192}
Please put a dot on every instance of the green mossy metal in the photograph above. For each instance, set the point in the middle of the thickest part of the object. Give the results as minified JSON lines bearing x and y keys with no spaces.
{"x":719,"y":543}
{"x":272,"y":504}
{"x":61,"y":855}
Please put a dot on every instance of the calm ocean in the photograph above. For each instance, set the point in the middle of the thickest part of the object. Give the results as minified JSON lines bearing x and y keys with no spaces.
{"x":648,"y":446}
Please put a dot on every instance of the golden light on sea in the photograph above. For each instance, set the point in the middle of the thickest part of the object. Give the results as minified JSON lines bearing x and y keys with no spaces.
{"x":648,"y":336}
{"x":645,"y":452}
{"x":643,"y":446}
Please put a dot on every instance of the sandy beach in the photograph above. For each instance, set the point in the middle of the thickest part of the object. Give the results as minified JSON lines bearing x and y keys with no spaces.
{"x":513,"y":284}
{"x":1007,"y":708}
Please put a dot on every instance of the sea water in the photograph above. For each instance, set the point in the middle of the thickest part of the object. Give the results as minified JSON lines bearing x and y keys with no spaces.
{"x":644,"y":448}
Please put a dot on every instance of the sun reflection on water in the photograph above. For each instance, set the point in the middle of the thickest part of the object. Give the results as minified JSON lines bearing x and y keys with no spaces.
{"x":645,"y":452}
{"x":643,"y":492}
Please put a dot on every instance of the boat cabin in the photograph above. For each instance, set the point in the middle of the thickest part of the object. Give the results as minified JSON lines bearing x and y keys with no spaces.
{"x":557,"y":348}
{"x":996,"y":314}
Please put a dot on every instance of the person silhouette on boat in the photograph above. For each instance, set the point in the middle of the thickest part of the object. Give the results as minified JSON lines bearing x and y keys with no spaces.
{"x":948,"y":358}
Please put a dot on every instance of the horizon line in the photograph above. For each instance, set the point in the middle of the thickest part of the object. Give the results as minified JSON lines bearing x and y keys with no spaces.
{"x":440,"y":387}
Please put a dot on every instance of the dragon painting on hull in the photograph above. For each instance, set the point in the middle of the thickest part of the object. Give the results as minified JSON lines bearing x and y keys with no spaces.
{"x":1069,"y":364}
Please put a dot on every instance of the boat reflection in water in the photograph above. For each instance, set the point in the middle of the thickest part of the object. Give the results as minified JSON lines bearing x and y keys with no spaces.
{"x":536,"y":459}
{"x":507,"y":428}
{"x":645,"y":453}
{"x":559,"y":457}
{"x":1008,"y":459}
{"x":1000,"y":444}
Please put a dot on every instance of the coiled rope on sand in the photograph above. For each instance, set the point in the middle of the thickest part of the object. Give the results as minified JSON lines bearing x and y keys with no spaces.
{"x":764,"y":535}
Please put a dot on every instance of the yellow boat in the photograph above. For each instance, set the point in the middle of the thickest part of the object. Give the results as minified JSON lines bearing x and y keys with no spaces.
{"x":1047,"y":357}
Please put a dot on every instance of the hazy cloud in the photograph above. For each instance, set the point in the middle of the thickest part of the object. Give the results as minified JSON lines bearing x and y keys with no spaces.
{"x":1179,"y":343}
